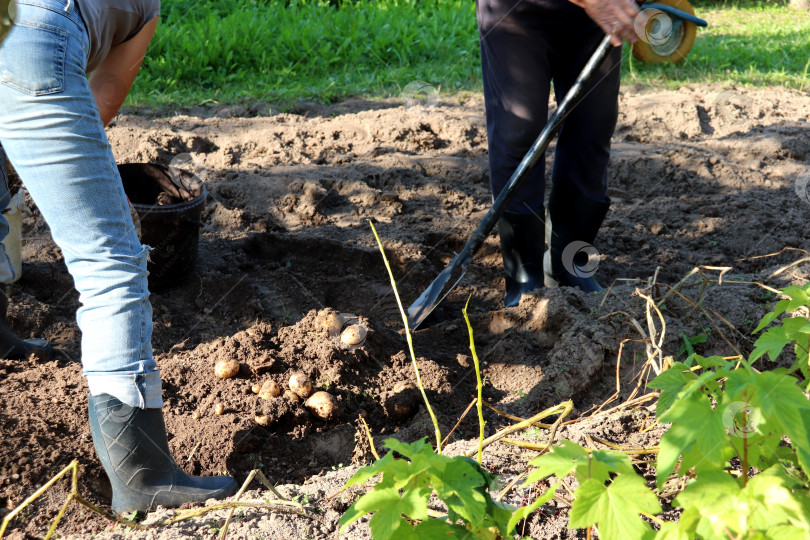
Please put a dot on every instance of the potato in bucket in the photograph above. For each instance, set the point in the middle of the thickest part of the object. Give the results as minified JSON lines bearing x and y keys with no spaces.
{"x":169,"y":203}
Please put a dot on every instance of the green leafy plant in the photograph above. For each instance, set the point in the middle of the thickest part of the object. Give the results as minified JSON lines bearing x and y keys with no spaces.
{"x":736,"y":453}
{"x":727,"y":424}
{"x":399,"y":502}
{"x":794,"y":330}
{"x":610,"y":493}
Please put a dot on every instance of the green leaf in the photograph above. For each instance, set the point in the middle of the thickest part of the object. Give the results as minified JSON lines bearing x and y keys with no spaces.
{"x":786,"y":532}
{"x":601,"y":464}
{"x":710,"y":504}
{"x":689,"y":342}
{"x":364,"y":473}
{"x":670,"y":382}
{"x":401,"y":473}
{"x":385,"y":504}
{"x":614,"y":508}
{"x":668,"y":531}
{"x":763,"y":451}
{"x":713,"y":362}
{"x":498,"y":516}
{"x":725,"y":508}
{"x":802,"y":362}
{"x":387,"y":524}
{"x":780,"y":399}
{"x":772,"y":502}
{"x":462,"y":488}
{"x":798,"y":297}
{"x":695,"y":427}
{"x":771,"y":343}
{"x":522,"y":513}
{"x":410,"y":451}
{"x":710,"y":486}
{"x":780,"y":307}
{"x":705,"y":383}
{"x":559,"y":461}
{"x":437,"y":529}
{"x":796,"y":328}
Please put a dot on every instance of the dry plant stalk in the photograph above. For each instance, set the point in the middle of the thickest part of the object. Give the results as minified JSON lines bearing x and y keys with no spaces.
{"x":515,"y":418}
{"x":370,"y":439}
{"x":74,"y":495}
{"x":655,"y":356}
{"x":263,"y":479}
{"x":460,"y":419}
{"x":563,"y":409}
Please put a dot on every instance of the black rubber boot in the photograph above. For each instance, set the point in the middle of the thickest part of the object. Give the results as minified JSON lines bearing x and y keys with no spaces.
{"x":522,"y":250}
{"x":572,"y":222}
{"x":14,"y":348}
{"x":132,"y":446}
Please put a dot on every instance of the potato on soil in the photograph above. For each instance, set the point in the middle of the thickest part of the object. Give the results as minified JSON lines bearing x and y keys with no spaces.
{"x":323,"y":405}
{"x":226,"y":368}
{"x":270,"y":389}
{"x":403,"y":402}
{"x":301,"y":385}
{"x":353,"y":335}
{"x":262,"y":419}
{"x":219,"y":409}
{"x":292,"y":396}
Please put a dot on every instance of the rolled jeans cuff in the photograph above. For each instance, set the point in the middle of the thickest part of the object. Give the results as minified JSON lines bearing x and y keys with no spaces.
{"x":141,"y":390}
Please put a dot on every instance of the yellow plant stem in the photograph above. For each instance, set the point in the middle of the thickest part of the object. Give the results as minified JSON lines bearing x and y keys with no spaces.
{"x":370,"y":439}
{"x":540,"y":447}
{"x":515,"y":418}
{"x":629,"y":450}
{"x":563,"y":409}
{"x":6,"y":520}
{"x":479,"y":383}
{"x":410,"y":342}
{"x":255,"y":473}
{"x":74,"y":495}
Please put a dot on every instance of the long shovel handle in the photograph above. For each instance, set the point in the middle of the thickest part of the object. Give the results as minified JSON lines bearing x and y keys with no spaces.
{"x":454,"y":271}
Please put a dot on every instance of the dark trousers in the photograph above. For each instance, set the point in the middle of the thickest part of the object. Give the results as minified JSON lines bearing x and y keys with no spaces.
{"x":526,"y":45}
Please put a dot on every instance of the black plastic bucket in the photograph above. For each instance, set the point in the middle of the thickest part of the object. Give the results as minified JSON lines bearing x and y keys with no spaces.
{"x":170,"y":206}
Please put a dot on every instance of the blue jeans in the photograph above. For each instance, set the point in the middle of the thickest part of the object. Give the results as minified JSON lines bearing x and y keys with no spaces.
{"x":51,"y":130}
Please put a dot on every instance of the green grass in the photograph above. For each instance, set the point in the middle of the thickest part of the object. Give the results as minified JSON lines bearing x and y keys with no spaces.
{"x":231,"y":51}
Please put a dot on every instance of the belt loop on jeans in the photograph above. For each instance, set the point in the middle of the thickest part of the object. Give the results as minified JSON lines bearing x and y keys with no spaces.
{"x":67,"y":6}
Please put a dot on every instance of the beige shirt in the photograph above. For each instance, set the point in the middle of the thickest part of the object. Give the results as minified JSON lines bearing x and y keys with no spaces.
{"x":111,"y":22}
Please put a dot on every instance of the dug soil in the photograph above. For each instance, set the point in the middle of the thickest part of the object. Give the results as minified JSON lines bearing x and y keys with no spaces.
{"x":702,"y":176}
